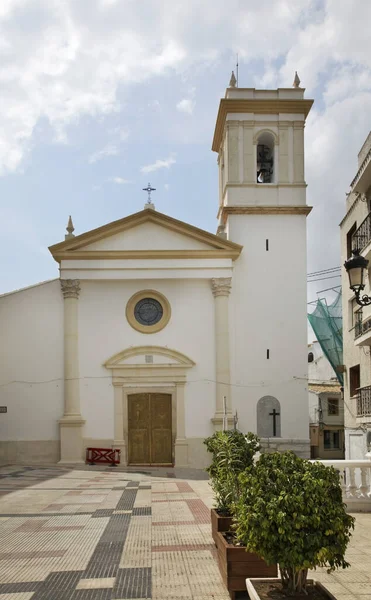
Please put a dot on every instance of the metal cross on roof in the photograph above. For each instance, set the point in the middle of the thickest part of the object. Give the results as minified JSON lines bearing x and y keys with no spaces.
{"x":149,"y":190}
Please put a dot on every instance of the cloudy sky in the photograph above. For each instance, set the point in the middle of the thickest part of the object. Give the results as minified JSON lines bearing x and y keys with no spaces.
{"x":98,"y":97}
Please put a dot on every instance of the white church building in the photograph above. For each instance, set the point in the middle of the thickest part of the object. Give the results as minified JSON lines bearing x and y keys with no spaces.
{"x":153,"y":321}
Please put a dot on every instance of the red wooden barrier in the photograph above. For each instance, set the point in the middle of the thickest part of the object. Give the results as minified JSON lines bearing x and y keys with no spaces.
{"x":103,"y":455}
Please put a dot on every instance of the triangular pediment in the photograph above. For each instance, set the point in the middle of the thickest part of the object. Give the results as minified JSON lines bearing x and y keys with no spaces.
{"x":147,"y":234}
{"x":148,"y":356}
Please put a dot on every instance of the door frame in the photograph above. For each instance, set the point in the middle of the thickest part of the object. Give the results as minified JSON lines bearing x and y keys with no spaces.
{"x":156,"y":390}
{"x":167,"y":374}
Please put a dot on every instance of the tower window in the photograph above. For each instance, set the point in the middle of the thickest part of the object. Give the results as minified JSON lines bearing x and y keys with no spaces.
{"x":265,"y":158}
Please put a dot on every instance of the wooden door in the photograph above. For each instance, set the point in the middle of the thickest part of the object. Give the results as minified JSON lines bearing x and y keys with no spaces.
{"x":150,"y":440}
{"x":139,"y":429}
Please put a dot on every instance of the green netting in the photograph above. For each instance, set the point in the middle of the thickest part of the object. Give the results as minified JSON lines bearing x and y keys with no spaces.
{"x":327,"y":323}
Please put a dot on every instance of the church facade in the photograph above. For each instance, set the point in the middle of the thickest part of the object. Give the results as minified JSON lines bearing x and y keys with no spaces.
{"x":156,"y":328}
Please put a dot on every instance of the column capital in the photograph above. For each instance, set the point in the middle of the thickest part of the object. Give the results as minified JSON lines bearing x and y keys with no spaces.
{"x":221,"y":286}
{"x":70,"y":288}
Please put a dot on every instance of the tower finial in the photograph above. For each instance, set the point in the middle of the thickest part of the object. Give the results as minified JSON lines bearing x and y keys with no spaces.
{"x":296,"y":83}
{"x":70,"y":229}
{"x":233,"y":80}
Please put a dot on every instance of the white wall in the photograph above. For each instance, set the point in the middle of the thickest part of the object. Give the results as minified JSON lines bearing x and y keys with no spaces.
{"x":319,"y":369}
{"x":31,"y":362}
{"x":352,"y":354}
{"x":313,"y":407}
{"x":148,"y":236}
{"x":104,"y":331}
{"x":268,"y":311}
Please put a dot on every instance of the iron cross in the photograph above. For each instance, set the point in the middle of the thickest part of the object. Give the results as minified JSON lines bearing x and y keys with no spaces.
{"x":274,"y":414}
{"x":149,"y":190}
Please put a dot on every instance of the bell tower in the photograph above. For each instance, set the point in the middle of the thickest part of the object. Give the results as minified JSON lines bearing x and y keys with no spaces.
{"x":259,"y":139}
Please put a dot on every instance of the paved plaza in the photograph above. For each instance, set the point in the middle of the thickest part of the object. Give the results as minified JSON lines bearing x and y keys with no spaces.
{"x":102,"y":534}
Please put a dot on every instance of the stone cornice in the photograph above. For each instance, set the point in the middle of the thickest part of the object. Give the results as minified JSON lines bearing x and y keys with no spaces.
{"x":263,"y":210}
{"x":74,"y":248}
{"x":256,"y":106}
{"x":221,"y":286}
{"x":350,"y":210}
{"x":362,"y":168}
{"x":70,"y":288}
{"x":145,"y":254}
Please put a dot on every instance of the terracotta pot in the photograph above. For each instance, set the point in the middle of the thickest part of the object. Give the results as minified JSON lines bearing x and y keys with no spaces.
{"x":235,"y":565}
{"x":253,"y":594}
{"x":219,"y":523}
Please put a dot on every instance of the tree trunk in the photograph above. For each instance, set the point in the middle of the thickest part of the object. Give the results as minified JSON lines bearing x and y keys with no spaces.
{"x":294,"y":580}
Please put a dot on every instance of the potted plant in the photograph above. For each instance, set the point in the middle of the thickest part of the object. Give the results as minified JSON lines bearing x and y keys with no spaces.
{"x":232,"y":453}
{"x":291,"y":512}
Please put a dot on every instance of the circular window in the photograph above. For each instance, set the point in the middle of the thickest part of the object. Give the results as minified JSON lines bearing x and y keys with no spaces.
{"x":148,"y":311}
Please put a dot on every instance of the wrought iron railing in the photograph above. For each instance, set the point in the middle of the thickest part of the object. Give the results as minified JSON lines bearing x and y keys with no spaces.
{"x":364,"y":402}
{"x":358,"y":323}
{"x":362,"y":235}
{"x":361,"y":327}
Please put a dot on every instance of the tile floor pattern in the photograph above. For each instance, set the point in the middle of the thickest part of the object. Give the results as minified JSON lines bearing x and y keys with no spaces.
{"x":95,"y":534}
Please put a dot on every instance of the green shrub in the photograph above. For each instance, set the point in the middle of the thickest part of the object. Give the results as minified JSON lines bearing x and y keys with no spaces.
{"x":291,"y":512}
{"x":232,"y":453}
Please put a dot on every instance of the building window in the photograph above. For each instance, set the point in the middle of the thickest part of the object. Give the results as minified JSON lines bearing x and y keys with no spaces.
{"x":310,"y":357}
{"x":331,"y":439}
{"x":333,"y":406}
{"x":265,"y":158}
{"x":354,"y":380}
{"x":350,"y":233}
{"x":148,"y":311}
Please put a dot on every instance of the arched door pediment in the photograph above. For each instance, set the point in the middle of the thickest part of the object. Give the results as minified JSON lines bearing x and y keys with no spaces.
{"x":149,"y":361}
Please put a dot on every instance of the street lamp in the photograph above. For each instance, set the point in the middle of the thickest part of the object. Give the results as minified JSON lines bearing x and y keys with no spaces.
{"x":356,"y":267}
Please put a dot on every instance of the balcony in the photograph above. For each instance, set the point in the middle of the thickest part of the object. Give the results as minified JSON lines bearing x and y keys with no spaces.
{"x":362,"y":180}
{"x":362,"y":235}
{"x":362,"y":331}
{"x":355,"y":481}
{"x":364,"y":402}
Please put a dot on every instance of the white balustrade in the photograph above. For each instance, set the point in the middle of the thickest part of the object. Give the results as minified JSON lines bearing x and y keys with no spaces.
{"x":355,"y":480}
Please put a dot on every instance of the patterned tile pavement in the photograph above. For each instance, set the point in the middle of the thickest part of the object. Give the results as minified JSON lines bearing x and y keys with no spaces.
{"x":95,"y":533}
{"x":102,"y":534}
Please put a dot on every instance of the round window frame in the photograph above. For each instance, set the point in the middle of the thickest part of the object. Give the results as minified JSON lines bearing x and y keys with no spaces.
{"x":166,"y":311}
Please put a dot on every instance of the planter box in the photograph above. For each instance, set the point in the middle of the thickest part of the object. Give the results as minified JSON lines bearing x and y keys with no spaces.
{"x":236,"y":565}
{"x":219,"y":523}
{"x":253,"y":594}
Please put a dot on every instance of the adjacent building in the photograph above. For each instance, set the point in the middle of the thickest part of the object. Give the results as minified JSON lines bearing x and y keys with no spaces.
{"x":326,"y":407}
{"x":356,"y":233}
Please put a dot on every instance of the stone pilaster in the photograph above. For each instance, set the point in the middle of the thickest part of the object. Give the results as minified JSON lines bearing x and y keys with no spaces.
{"x":71,"y":423}
{"x":221,"y":288}
{"x":181,"y":444}
{"x":120,"y":434}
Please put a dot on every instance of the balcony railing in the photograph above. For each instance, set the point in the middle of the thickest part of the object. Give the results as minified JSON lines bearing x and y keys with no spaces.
{"x":362,"y":235}
{"x":364,"y":402}
{"x":362,"y":327}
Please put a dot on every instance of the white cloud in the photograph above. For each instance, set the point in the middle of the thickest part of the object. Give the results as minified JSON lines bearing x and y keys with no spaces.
{"x":186,"y":105}
{"x":109,"y":150}
{"x":119,"y":180}
{"x":159,"y":164}
{"x":61,"y":61}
